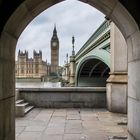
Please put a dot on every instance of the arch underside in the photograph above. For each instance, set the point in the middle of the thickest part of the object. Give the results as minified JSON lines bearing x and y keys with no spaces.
{"x":93,"y":73}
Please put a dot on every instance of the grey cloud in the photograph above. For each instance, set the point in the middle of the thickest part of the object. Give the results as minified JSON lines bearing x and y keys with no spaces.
{"x":71,"y":17}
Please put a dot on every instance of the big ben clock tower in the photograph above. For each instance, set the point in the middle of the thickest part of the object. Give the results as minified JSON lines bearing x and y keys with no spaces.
{"x":54,"y":52}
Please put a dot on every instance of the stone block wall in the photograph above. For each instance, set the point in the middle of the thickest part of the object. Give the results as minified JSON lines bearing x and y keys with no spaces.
{"x":65,"y":97}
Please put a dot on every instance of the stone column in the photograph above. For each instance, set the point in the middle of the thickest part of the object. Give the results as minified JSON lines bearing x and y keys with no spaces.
{"x":7,"y":87}
{"x":117,"y":82}
{"x":72,"y":70}
{"x":134,"y":86}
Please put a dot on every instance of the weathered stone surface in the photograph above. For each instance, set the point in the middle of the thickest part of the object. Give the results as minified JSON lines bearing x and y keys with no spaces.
{"x":117,"y":82}
{"x":134,"y":80}
{"x":70,"y":124}
{"x":119,"y":78}
{"x":130,"y":49}
{"x":117,"y":97}
{"x":134,"y":46}
{"x":7,"y":46}
{"x":29,"y":136}
{"x":21,"y":14}
{"x":7,"y":65}
{"x":7,"y":117}
{"x":37,"y":6}
{"x":51,"y":137}
{"x":124,"y":20}
{"x":65,"y":97}
{"x":105,"y":6}
{"x":134,"y":123}
{"x":118,"y":50}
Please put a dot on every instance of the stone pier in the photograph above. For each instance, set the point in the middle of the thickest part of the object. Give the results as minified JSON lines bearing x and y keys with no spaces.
{"x":72,"y":70}
{"x":117,"y":82}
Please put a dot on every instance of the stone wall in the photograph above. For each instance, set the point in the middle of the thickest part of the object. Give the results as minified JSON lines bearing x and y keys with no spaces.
{"x":65,"y":97}
{"x":117,"y":81}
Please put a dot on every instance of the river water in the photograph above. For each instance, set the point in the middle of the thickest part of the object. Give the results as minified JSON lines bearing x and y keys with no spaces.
{"x":37,"y":84}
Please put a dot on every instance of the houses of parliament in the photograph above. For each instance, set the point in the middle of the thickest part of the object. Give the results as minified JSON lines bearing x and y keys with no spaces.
{"x":36,"y":68}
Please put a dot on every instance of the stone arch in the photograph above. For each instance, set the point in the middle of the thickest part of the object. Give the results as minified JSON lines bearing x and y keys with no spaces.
{"x":90,"y":76}
{"x":79,"y":65}
{"x":29,"y":9}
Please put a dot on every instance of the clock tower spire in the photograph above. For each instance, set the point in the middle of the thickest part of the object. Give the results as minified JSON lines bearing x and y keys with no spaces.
{"x":54,"y":51}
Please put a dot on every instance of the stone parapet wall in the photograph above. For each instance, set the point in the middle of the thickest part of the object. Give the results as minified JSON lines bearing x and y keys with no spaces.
{"x":65,"y":97}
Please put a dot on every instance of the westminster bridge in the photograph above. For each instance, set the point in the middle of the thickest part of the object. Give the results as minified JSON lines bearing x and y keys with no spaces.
{"x":101,"y":62}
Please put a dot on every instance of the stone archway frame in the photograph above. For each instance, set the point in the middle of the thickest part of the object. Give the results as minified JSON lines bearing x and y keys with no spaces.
{"x":29,"y":9}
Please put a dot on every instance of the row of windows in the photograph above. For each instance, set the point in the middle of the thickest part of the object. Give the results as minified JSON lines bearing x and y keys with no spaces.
{"x":31,"y":69}
{"x":27,"y":66}
{"x":28,"y":71}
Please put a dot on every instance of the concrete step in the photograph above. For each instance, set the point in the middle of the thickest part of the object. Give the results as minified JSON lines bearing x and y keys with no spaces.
{"x":23,"y":104}
{"x":118,"y":138}
{"x":22,"y":108}
{"x":28,"y":109}
{"x":19,"y":101}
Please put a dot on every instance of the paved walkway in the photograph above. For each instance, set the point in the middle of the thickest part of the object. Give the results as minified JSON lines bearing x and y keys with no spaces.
{"x":69,"y":124}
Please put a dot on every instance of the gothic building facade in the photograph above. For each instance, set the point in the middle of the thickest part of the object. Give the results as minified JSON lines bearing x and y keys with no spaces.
{"x":31,"y":67}
{"x":35,"y":67}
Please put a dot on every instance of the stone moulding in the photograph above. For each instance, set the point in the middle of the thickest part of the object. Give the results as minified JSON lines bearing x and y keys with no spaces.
{"x":118,"y":78}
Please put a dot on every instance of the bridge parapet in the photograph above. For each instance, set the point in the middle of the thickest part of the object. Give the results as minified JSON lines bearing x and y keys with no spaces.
{"x":100,"y":36}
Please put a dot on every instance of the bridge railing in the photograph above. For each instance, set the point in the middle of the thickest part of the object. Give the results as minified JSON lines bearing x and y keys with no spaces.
{"x":102,"y":28}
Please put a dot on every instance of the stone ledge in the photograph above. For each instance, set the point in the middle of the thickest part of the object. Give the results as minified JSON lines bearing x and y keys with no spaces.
{"x":118,"y":78}
{"x":65,"y":97}
{"x":65,"y":89}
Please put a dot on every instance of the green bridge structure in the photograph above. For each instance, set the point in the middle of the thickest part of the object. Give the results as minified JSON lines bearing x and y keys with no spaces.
{"x":101,"y":62}
{"x":91,"y":64}
{"x":93,"y":59}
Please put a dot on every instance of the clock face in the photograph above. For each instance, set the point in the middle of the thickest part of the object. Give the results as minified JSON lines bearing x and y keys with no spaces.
{"x":54,"y":44}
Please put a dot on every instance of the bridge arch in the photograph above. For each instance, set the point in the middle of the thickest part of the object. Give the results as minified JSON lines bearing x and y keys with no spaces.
{"x":93,"y":70}
{"x":29,"y":9}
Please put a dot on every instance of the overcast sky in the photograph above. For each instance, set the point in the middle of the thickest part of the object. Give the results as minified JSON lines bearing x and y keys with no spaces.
{"x":71,"y":17}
